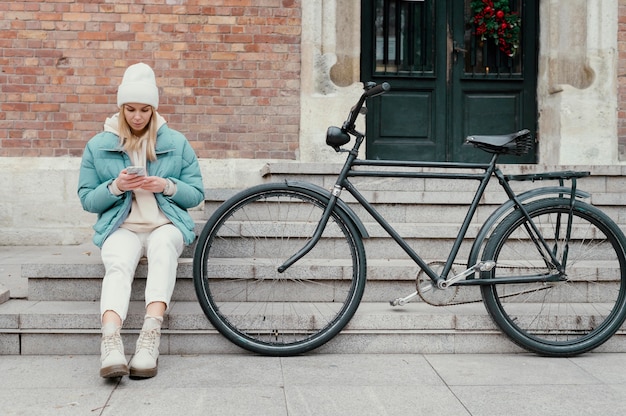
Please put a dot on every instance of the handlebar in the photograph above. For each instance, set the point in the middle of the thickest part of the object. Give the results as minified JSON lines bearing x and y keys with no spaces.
{"x":376,"y":89}
{"x":371,"y":90}
{"x":337,"y":137}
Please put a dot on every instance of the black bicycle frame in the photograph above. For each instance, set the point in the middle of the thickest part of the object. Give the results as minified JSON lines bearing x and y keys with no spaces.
{"x":490,"y":169}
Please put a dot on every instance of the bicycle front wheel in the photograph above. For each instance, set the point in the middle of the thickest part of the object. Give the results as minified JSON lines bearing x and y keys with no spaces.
{"x":248,"y":300}
{"x":581,"y":310}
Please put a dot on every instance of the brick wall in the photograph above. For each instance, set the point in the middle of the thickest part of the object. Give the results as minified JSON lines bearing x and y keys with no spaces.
{"x":621,"y":77}
{"x":228,"y":72}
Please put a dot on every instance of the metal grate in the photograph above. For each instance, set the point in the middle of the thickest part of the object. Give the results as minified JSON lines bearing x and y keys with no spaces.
{"x":405,"y":42}
{"x":404,"y":38}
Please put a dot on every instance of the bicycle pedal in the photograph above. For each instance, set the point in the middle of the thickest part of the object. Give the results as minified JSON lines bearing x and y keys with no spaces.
{"x":403,"y":301}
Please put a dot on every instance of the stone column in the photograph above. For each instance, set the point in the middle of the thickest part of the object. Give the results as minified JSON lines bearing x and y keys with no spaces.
{"x":330,"y":72}
{"x":577,"y":85}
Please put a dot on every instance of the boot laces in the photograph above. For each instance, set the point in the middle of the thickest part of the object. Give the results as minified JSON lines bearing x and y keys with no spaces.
{"x":112,"y":343}
{"x":148,"y":339}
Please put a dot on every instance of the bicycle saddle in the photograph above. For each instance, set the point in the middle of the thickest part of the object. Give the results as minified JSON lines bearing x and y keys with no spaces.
{"x":517,"y":143}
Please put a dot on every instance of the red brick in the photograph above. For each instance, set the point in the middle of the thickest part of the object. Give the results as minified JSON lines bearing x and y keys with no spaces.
{"x":218,"y":86}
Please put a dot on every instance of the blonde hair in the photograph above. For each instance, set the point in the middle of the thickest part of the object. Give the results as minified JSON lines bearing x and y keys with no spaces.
{"x":131,"y":143}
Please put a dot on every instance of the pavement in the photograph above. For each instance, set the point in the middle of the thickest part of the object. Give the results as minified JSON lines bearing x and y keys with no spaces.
{"x":321,"y":384}
{"x":314,"y":384}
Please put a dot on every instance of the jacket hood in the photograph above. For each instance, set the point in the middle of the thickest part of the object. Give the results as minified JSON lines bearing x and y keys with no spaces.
{"x":111,"y":123}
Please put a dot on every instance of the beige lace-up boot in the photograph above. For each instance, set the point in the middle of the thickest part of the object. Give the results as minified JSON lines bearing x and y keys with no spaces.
{"x":112,"y":358}
{"x":144,"y":362}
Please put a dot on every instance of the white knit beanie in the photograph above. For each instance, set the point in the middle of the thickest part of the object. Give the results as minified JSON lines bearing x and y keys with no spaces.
{"x":138,"y":86}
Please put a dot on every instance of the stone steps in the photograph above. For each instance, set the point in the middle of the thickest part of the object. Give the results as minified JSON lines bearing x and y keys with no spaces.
{"x":59,"y":314}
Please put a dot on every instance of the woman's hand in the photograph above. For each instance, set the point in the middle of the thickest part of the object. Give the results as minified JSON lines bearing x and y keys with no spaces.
{"x":129,"y":182}
{"x":155,"y":184}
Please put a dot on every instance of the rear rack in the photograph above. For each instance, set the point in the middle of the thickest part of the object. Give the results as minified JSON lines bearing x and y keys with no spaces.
{"x":564,"y":175}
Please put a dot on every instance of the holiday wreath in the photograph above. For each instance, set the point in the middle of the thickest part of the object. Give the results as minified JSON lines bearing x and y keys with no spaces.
{"x":493,"y":19}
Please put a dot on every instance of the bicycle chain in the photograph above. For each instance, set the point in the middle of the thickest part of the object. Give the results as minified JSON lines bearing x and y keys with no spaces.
{"x":424,"y":295}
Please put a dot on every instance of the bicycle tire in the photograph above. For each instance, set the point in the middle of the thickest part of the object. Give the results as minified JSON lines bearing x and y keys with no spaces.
{"x":568,"y":317}
{"x":248,"y":300}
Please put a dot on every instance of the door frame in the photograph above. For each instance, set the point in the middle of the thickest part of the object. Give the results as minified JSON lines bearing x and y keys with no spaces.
{"x":444,"y":91}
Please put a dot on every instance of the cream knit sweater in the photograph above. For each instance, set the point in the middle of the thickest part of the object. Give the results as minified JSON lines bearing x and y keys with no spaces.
{"x":145,"y":214}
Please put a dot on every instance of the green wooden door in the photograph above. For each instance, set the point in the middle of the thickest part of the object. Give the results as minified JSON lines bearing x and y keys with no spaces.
{"x":449,"y":78}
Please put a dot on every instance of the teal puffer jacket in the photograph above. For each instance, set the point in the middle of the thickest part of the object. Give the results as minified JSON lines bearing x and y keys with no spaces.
{"x":103,"y":159}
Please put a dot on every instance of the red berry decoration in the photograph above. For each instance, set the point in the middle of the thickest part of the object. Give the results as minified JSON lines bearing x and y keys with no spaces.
{"x":493,"y":19}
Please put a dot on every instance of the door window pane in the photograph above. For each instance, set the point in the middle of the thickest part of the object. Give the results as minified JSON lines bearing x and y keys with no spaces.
{"x":404,"y":37}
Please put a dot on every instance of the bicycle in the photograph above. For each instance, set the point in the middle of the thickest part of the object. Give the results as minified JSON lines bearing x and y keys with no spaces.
{"x":280,"y":268}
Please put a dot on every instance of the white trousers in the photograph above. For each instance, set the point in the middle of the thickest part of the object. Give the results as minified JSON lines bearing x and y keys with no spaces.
{"x":121,"y":253}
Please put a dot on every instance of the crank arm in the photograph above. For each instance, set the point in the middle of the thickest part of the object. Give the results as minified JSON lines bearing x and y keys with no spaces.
{"x":481,"y":266}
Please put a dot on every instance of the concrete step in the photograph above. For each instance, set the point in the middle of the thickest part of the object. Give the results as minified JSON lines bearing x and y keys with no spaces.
{"x":81,"y":280}
{"x":5,"y":294}
{"x":387,"y":278}
{"x":406,"y":210}
{"x":34,"y":328}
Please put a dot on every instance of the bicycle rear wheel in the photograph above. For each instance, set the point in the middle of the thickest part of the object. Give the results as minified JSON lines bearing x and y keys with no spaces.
{"x":248,"y":300}
{"x":575,"y":314}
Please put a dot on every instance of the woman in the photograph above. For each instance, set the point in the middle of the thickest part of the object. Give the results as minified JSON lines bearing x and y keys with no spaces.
{"x":142,"y":211}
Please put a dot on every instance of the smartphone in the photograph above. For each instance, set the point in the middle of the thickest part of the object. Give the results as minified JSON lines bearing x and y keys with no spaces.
{"x":136,"y":170}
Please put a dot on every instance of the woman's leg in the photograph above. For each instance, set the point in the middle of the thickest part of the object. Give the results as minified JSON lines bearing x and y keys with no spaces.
{"x":163,"y":247}
{"x":120,"y":254}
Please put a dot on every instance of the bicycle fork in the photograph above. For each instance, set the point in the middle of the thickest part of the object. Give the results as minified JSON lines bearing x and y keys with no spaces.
{"x":481,"y":266}
{"x":314,"y":239}
{"x":332,"y":201}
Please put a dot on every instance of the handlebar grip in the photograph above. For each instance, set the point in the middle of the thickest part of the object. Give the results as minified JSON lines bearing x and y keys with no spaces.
{"x":377,"y":90}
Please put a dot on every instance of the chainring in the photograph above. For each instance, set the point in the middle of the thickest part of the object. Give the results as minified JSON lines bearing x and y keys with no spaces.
{"x":436,"y":296}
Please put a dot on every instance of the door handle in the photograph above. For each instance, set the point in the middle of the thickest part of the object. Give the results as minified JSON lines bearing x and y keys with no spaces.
{"x":457,"y":49}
